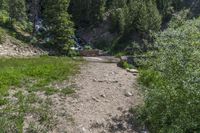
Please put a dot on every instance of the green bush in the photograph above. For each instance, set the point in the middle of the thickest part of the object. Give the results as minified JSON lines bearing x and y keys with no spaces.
{"x":125,"y":65}
{"x":4,"y":17}
{"x":172,"y":81}
{"x":1,"y":35}
{"x":23,"y":26}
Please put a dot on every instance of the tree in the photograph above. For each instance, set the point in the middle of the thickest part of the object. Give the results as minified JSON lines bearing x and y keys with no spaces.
{"x":4,"y":16}
{"x":88,"y":12}
{"x":4,"y":5}
{"x":116,"y":3}
{"x":17,"y":10}
{"x":142,"y":16}
{"x":58,"y":24}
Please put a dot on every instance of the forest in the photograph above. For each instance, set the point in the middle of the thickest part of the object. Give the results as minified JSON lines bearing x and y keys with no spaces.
{"x":43,"y":43}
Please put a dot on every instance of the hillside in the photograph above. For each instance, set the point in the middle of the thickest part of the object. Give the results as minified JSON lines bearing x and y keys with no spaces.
{"x":13,"y":47}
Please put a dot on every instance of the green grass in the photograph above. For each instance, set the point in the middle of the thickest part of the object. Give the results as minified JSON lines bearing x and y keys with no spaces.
{"x":42,"y":70}
{"x":67,"y":91}
{"x":27,"y":76}
{"x":50,"y":90}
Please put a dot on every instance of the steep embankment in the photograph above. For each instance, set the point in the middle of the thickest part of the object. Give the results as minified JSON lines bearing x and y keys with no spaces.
{"x":8,"y":48}
{"x":13,"y":47}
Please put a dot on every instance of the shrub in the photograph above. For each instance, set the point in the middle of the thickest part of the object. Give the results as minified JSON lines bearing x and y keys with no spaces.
{"x":172,"y":81}
{"x":1,"y":36}
{"x":23,"y":26}
{"x":4,"y":17}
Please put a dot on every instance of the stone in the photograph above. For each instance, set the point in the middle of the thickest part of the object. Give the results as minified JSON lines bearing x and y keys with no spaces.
{"x":95,"y":99}
{"x":132,"y":71}
{"x":128,"y":94}
{"x":103,"y":95}
{"x":83,"y":130}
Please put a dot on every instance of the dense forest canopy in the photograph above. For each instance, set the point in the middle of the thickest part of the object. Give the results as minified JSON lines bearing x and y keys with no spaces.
{"x":123,"y":17}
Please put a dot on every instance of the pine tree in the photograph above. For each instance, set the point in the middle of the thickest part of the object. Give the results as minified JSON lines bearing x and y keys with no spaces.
{"x":87,"y":12}
{"x":4,"y":16}
{"x":58,"y":24}
{"x":154,"y":17}
{"x":4,"y":5}
{"x":17,"y":10}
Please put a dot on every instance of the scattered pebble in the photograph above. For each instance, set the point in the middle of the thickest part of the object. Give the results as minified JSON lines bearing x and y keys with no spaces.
{"x":128,"y":94}
{"x":95,"y":99}
{"x":103,"y":95}
{"x":132,"y":71}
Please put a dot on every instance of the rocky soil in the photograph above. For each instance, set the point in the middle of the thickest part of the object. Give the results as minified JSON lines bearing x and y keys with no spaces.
{"x":10,"y":49}
{"x":104,"y":95}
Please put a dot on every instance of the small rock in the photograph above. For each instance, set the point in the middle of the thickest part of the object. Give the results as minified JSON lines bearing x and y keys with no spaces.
{"x":132,"y":70}
{"x":120,"y":85}
{"x":95,"y":99}
{"x":128,"y":94}
{"x":103,"y":95}
{"x":83,"y":130}
{"x":104,"y":131}
{"x":120,"y":108}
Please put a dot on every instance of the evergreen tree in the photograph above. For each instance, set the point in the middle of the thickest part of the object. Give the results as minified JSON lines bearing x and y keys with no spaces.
{"x":140,"y":15}
{"x":4,"y":16}
{"x":4,"y":5}
{"x":117,"y":3}
{"x":17,"y":10}
{"x":58,"y":24}
{"x":154,"y":17}
{"x":97,"y":10}
{"x":87,"y":12}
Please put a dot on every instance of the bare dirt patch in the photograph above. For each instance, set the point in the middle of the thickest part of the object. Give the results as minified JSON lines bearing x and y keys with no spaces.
{"x":104,"y":95}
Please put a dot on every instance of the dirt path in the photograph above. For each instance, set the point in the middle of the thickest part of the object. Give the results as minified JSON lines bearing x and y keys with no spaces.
{"x":105,"y":93}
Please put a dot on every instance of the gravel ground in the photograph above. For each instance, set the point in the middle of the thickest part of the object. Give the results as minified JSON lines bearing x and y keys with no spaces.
{"x":105,"y":93}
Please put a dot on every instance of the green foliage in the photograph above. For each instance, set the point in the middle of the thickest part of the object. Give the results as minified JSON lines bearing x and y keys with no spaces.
{"x":134,"y":19}
{"x":58,"y":24}
{"x":136,"y":15}
{"x":125,"y":65}
{"x":168,"y":7}
{"x":171,"y":81}
{"x":1,"y":35}
{"x":87,"y":12}
{"x":23,"y":26}
{"x":17,"y":10}
{"x":67,"y":91}
{"x":4,"y":17}
{"x":178,"y":19}
{"x":118,"y":21}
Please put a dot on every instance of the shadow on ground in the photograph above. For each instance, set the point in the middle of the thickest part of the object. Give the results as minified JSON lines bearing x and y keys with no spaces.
{"x":125,"y":123}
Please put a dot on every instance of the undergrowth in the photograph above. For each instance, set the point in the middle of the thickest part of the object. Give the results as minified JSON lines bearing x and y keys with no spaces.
{"x":171,"y":81}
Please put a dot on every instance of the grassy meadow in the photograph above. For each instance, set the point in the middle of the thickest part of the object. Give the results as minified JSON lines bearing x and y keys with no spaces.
{"x":21,"y":79}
